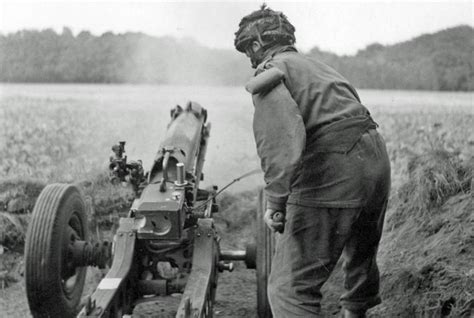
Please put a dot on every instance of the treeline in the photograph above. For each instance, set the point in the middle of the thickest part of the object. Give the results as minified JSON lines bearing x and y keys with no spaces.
{"x":439,"y":61}
{"x":45,"y":56}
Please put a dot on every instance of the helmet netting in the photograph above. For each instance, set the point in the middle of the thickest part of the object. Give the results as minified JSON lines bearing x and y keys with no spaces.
{"x":264,"y":25}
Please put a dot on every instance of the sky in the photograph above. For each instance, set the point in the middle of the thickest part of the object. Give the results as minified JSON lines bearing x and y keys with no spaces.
{"x":342,"y":27}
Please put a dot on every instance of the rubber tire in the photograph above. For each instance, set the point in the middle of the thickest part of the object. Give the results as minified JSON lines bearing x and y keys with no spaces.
{"x":265,"y":250}
{"x":55,"y":208}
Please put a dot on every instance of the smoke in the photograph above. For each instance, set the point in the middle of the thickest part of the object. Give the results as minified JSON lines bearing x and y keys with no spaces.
{"x":166,"y":60}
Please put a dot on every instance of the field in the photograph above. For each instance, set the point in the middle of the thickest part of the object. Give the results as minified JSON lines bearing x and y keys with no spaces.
{"x":63,"y":133}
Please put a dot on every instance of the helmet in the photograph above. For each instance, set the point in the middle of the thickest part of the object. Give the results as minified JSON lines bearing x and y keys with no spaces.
{"x":264,"y":25}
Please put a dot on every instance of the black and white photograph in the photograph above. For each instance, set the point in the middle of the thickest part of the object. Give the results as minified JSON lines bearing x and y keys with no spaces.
{"x":198,"y":159}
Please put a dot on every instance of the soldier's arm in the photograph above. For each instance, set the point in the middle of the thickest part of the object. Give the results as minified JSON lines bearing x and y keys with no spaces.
{"x":280,"y":136}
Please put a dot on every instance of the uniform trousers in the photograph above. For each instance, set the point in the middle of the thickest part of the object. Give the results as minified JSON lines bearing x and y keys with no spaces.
{"x":316,"y":237}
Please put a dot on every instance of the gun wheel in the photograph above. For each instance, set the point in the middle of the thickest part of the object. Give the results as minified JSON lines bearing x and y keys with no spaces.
{"x":53,"y":283}
{"x":265,"y":251}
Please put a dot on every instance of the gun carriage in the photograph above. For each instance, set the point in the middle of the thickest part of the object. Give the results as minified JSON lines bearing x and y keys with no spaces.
{"x":166,"y":244}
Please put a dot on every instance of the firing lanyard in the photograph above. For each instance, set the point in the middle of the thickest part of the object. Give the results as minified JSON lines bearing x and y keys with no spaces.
{"x":245,"y":175}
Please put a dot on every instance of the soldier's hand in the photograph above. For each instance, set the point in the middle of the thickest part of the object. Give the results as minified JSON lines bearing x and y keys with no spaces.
{"x":275,"y":220}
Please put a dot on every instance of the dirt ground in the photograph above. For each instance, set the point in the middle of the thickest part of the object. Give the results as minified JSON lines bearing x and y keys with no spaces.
{"x":236,"y":297}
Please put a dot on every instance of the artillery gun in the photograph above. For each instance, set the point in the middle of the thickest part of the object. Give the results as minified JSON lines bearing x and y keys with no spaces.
{"x":166,"y":244}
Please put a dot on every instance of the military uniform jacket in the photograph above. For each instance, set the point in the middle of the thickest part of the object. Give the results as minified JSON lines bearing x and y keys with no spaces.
{"x":307,"y":119}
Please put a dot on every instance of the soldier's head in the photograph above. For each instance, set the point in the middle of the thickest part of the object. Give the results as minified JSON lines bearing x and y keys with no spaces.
{"x":261,"y":31}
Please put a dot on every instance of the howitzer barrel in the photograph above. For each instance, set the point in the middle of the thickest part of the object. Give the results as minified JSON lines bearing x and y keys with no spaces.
{"x":182,"y":139}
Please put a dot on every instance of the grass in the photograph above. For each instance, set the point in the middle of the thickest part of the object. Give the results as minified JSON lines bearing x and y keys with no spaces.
{"x":434,"y":175}
{"x":238,"y":214}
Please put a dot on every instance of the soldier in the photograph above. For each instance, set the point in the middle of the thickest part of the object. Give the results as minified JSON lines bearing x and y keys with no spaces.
{"x":325,"y":168}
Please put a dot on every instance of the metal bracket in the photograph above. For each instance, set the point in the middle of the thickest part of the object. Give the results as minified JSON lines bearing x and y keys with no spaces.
{"x":199,"y":293}
{"x":166,"y":159}
{"x":116,"y":292}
